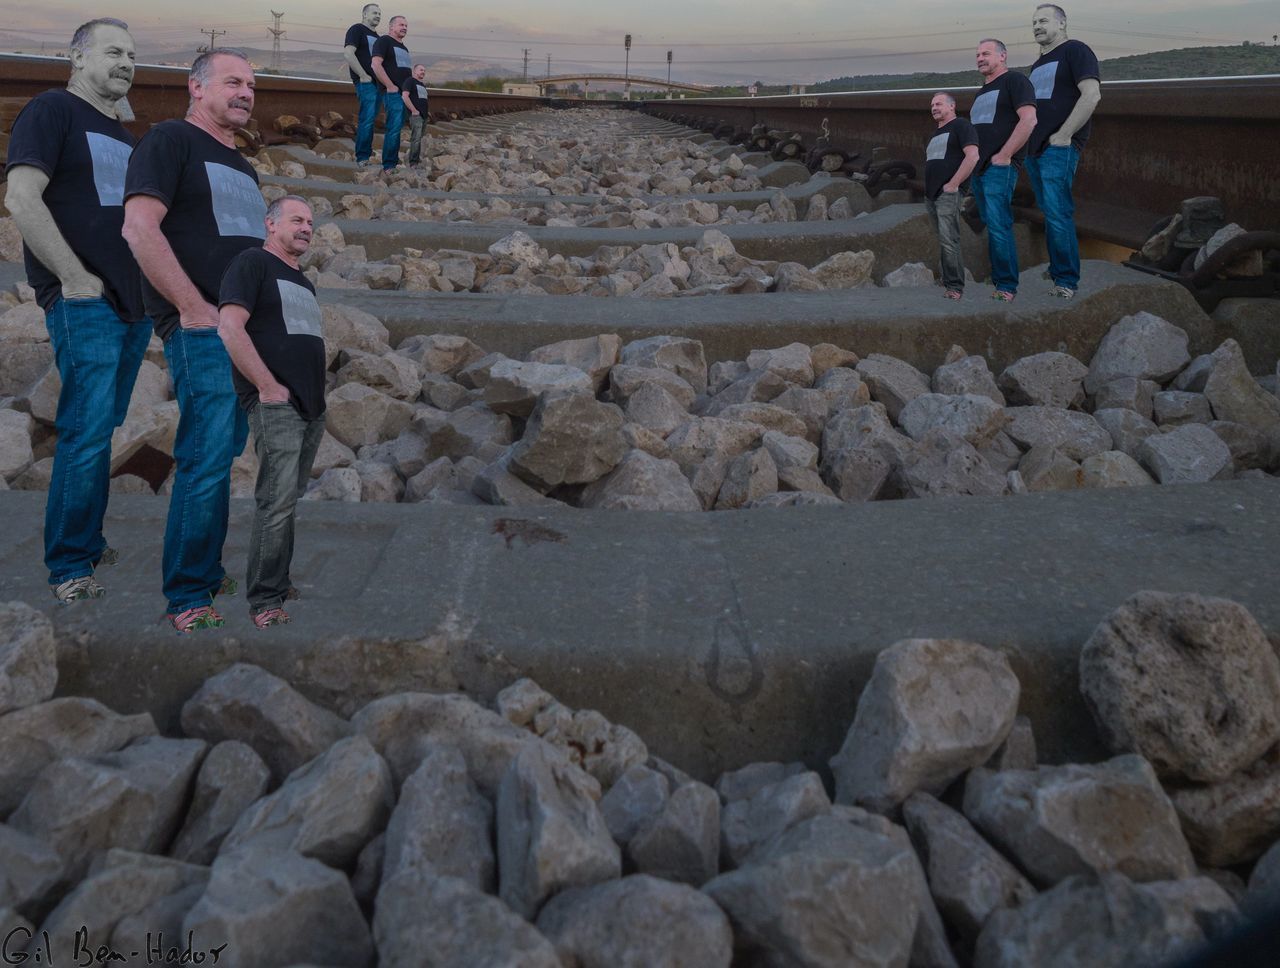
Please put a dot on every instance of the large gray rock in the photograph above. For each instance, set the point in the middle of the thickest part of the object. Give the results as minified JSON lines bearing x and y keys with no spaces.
{"x":861,"y":451}
{"x":497,"y":485}
{"x":551,"y":834}
{"x":844,"y":270}
{"x":750,"y":476}
{"x":328,"y":809}
{"x":441,"y":353}
{"x":594,"y":355}
{"x":442,"y":822}
{"x":276,"y":907}
{"x":390,"y":373}
{"x":747,"y":823}
{"x":654,"y":408}
{"x":944,"y":464}
{"x":932,"y":709}
{"x":358,"y":415}
{"x":1233,"y":821}
{"x":1127,"y":393}
{"x":703,"y":449}
{"x":1056,"y":821}
{"x":683,"y":357}
{"x":681,"y":840}
{"x":1264,"y":883}
{"x":1189,"y":454}
{"x":974,"y":417}
{"x":1236,"y":396}
{"x":346,"y":327}
{"x":32,"y":738}
{"x":249,"y":704}
{"x":1127,"y":429}
{"x":642,"y":482}
{"x":1045,"y":468}
{"x":231,"y":778}
{"x":466,"y":432}
{"x":1044,"y":380}
{"x":893,"y":382}
{"x":967,"y":374}
{"x":1172,"y":408}
{"x":825,"y":893}
{"x":968,"y":878}
{"x":1189,"y":682}
{"x":1107,"y":922}
{"x":133,"y":798}
{"x":1077,"y":435}
{"x":421,"y":918}
{"x":793,"y":362}
{"x":637,"y":922}
{"x":15,"y":442}
{"x":1113,"y":468}
{"x":1142,"y":346}
{"x":747,"y":781}
{"x":28,"y":657}
{"x":406,"y":726}
{"x":571,"y":438}
{"x":29,"y":871}
{"x":514,"y":387}
{"x":636,"y":797}
{"x":626,"y":380}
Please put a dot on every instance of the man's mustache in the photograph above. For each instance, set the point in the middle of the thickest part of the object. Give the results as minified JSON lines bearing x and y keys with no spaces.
{"x":240,"y":102}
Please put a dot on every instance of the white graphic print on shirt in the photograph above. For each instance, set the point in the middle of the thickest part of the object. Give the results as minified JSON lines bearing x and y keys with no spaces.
{"x":984,"y":108}
{"x":238,"y":208}
{"x":110,"y":161}
{"x":299,"y":308}
{"x":402,"y":58}
{"x":937,"y":150}
{"x":1043,"y":78}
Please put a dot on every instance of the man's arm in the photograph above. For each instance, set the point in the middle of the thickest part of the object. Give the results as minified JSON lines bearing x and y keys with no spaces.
{"x":142,"y":217}
{"x":25,"y":200}
{"x":381,"y":75}
{"x":969,"y":163}
{"x":231,"y":327}
{"x":349,"y":53}
{"x":408,"y":103}
{"x":1021,"y":132}
{"x":1090,"y":95}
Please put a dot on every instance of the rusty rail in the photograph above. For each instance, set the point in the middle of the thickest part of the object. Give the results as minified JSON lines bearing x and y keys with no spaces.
{"x":1154,"y":143}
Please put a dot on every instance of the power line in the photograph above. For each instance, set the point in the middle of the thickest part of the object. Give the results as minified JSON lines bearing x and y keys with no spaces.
{"x":214,"y":34}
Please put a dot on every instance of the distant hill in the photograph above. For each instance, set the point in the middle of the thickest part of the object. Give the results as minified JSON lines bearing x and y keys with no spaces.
{"x":1247,"y":58}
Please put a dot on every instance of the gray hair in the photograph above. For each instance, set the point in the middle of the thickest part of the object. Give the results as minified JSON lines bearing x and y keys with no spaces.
{"x":950,"y":98}
{"x":367,"y":7}
{"x":84,"y":33}
{"x":202,"y":67}
{"x":276,"y":207}
{"x":1000,"y":47}
{"x":398,"y":16}
{"x":1057,"y":11}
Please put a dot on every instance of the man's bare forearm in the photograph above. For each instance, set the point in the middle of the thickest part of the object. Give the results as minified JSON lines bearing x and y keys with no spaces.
{"x":381,"y":74}
{"x":1086,"y":104}
{"x":25,"y":201}
{"x":1021,"y":132}
{"x":349,"y":53}
{"x":245,"y":356}
{"x":155,"y":258}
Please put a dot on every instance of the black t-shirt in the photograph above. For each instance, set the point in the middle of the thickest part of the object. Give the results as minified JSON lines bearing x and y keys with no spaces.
{"x":284,"y":326}
{"x":362,"y":39}
{"x":945,"y":153}
{"x":215,"y":208}
{"x":1056,"y":78}
{"x":395,"y":59}
{"x":995,"y":114}
{"x":417,"y":92}
{"x":85,"y":154}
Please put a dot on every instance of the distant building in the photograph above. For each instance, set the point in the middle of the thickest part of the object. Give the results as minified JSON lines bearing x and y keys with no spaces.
{"x":524,"y":90}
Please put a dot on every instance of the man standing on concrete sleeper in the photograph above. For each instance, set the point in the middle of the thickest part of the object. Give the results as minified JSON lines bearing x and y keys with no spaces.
{"x":950,"y":158}
{"x":67,"y":157}
{"x":358,"y":51}
{"x":192,"y":204}
{"x":269,"y":320}
{"x":413,"y":91}
{"x":1003,"y":114}
{"x":391,"y":66}
{"x":1065,"y":78}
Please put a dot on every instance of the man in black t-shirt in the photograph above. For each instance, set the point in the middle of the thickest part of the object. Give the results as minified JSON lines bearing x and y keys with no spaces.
{"x":270,"y":322}
{"x":357,"y":49}
{"x":413,"y":91}
{"x":1065,"y":78}
{"x":391,"y":66}
{"x":1003,"y":114}
{"x":192,"y":204}
{"x":950,"y":157}
{"x":65,"y":170}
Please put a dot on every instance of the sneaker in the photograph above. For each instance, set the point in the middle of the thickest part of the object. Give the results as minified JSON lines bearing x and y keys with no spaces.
{"x":269,"y":617}
{"x":1001,"y":296}
{"x":196,"y":619}
{"x":78,"y":589}
{"x":952,"y":294}
{"x":109,"y":557}
{"x":1062,"y":292}
{"x":228,"y":586}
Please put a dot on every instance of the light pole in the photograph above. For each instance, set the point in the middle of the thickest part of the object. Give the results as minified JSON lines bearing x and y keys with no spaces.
{"x":626,"y":87}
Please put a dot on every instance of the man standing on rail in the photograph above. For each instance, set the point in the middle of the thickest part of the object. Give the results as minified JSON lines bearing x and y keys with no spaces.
{"x":192,"y":204}
{"x":358,"y":51}
{"x":1003,"y":114}
{"x":1065,"y":78}
{"x":269,"y":321}
{"x":392,"y":65}
{"x":67,"y":157}
{"x":413,"y":91}
{"x":950,"y":158}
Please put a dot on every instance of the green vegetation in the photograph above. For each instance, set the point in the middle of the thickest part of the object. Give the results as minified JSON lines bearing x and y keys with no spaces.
{"x":1248,"y":58}
{"x":490,"y":84}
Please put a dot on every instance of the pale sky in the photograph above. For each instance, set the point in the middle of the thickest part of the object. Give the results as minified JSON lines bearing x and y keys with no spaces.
{"x":798,"y":41}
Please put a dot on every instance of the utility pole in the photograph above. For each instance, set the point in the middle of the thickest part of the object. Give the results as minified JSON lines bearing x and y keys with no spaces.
{"x":626,"y":88}
{"x":276,"y":33}
{"x":526,"y":65}
{"x":668,"y":68}
{"x":214,"y":34}
{"x":548,"y":65}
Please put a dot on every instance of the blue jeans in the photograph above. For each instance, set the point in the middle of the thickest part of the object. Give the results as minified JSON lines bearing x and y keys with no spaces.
{"x":286,"y":443}
{"x":945,"y":212}
{"x":97,"y":356}
{"x":367,"y":96}
{"x":1051,"y":176}
{"x":993,"y":190}
{"x":211,"y":433}
{"x":395,"y":121}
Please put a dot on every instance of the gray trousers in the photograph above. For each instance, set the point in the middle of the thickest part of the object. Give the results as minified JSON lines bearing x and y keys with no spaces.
{"x":286,"y":444}
{"x":945,"y":212}
{"x":416,"y":123}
